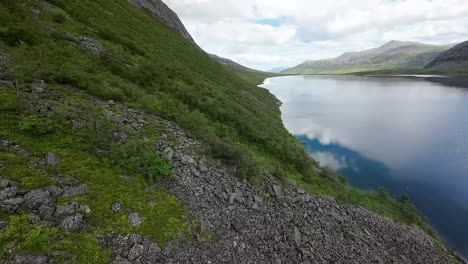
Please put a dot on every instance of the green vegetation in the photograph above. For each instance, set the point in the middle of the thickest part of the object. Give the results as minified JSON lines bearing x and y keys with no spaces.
{"x":101,"y":170}
{"x":147,"y":66}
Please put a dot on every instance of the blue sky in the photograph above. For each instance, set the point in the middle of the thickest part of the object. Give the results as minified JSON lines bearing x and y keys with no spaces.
{"x":274,"y":22}
{"x":264,"y":34}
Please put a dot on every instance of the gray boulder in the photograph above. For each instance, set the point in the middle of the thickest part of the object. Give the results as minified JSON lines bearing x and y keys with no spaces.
{"x":35,"y":198}
{"x":53,"y":160}
{"x":73,"y":223}
{"x":136,"y":219}
{"x":277,"y":191}
{"x":135,"y":252}
{"x":46,"y":210}
{"x":30,"y":259}
{"x":168,"y":153}
{"x":63,"y":211}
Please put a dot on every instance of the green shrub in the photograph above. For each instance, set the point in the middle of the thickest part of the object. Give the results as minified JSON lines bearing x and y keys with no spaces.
{"x":10,"y":102}
{"x":140,"y":157}
{"x":38,"y":126}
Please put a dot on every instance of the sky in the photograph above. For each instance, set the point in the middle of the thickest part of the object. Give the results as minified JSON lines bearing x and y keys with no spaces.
{"x":265,"y":34}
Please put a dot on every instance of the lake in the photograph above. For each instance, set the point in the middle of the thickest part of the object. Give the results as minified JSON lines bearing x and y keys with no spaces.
{"x":407,"y":134}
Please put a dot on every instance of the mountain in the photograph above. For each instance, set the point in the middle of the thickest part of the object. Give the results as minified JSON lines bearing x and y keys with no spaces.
{"x":392,"y":55}
{"x":278,"y":69}
{"x":454,"y":58}
{"x":121,"y":141}
{"x":161,"y":11}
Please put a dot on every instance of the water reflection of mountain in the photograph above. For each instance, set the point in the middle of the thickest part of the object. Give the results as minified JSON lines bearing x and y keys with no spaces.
{"x":444,"y":214}
{"x":461,"y":82}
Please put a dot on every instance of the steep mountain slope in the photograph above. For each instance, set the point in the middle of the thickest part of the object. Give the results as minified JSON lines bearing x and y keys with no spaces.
{"x":248,"y":74}
{"x":93,"y":171}
{"x":455,"y":58}
{"x":392,"y":55}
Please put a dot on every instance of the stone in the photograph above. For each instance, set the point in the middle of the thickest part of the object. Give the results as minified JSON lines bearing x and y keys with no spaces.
{"x":13,"y":201}
{"x":136,"y":219}
{"x":70,"y":192}
{"x":55,"y":191}
{"x":35,"y":198}
{"x":116,"y":207}
{"x":8,"y":192}
{"x":168,"y":153}
{"x":4,"y":183}
{"x":46,"y":210}
{"x":53,"y":160}
{"x":30,"y":259}
{"x":85,"y":209}
{"x":232,"y":198}
{"x":73,"y":223}
{"x":297,"y":237}
{"x":187,"y":160}
{"x":152,"y":203}
{"x":39,"y":86}
{"x":3,"y":226}
{"x":203,"y":168}
{"x":277,"y":191}
{"x":135,"y":252}
{"x":135,"y":239}
{"x":258,"y":199}
{"x":64,"y":210}
{"x":121,"y":260}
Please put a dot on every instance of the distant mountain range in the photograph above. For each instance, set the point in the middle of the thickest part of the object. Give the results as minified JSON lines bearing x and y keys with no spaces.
{"x":278,"y":69}
{"x":392,"y":55}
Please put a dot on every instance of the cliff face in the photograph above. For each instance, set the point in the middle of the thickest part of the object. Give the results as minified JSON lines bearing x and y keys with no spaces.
{"x":160,"y":10}
{"x":454,"y":57}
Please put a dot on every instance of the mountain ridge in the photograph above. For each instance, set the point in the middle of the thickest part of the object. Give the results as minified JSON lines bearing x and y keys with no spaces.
{"x":391,"y":55}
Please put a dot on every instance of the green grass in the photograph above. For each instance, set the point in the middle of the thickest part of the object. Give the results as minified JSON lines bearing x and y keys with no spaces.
{"x":102,"y":172}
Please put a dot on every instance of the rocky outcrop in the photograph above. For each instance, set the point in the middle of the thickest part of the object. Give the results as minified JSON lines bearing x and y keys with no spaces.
{"x":454,"y":57}
{"x":41,"y":204}
{"x":168,"y":17}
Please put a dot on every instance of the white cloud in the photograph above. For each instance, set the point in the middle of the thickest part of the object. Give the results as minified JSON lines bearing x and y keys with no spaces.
{"x":316,"y":29}
{"x":327,"y":159}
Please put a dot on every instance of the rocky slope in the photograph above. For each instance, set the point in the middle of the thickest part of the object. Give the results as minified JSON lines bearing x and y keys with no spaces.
{"x":160,"y":10}
{"x":236,"y":222}
{"x":392,"y":55}
{"x":456,"y":57}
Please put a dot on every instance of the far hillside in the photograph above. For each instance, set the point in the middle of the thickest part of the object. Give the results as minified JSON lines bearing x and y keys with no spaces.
{"x":390,"y":56}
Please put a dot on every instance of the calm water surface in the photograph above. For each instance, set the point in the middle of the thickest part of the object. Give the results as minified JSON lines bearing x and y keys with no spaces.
{"x":407,"y":134}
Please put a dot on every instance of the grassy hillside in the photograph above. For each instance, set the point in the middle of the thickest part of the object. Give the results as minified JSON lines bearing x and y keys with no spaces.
{"x":143,"y":65}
